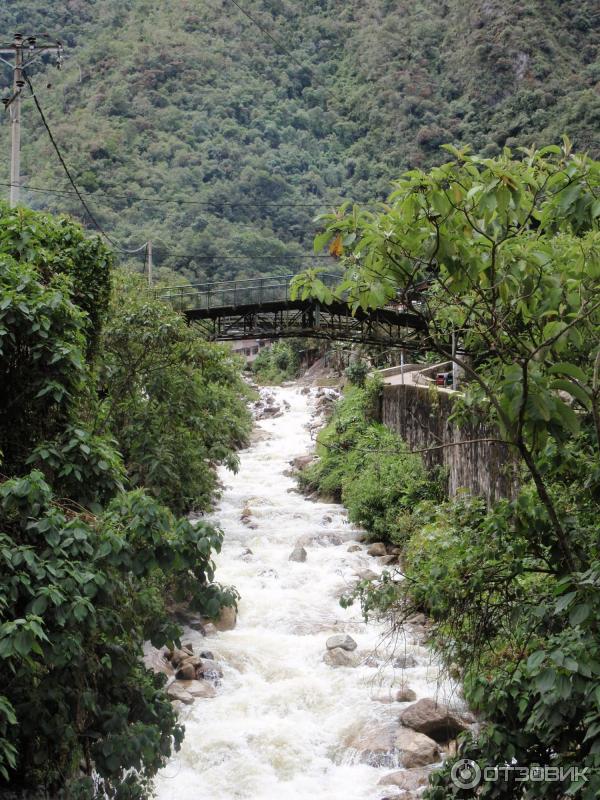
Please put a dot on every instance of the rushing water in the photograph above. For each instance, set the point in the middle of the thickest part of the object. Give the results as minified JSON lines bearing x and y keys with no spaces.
{"x":278,"y":725}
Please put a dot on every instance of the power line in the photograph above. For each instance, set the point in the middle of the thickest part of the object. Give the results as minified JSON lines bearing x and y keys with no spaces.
{"x":70,"y":177}
{"x":180,"y":201}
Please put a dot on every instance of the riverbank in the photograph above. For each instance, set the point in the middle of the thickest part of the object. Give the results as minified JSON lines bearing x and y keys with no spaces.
{"x":284,"y":721}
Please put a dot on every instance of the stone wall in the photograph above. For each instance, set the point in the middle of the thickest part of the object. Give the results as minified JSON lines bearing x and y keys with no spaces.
{"x":421,"y":416}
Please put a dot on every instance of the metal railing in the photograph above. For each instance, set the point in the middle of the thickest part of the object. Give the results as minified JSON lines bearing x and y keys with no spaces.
{"x":234,"y":294}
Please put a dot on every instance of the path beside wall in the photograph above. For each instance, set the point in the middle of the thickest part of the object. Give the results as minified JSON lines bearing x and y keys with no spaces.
{"x":420,"y":415}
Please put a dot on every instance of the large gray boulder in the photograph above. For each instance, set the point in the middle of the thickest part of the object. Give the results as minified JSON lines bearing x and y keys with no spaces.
{"x":434,"y":719}
{"x":341,"y":640}
{"x":177,"y":691}
{"x":415,"y":749}
{"x":377,"y":549}
{"x":409,"y":780}
{"x":340,"y":658}
{"x":390,"y":746}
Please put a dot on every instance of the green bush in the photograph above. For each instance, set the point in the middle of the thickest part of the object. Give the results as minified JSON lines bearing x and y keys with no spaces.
{"x":278,"y":363}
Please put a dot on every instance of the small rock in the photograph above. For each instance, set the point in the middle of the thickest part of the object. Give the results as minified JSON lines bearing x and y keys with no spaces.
{"x":199,"y":688}
{"x":207,"y":654}
{"x":354,"y":548}
{"x":386,"y":560}
{"x":434,"y":719}
{"x":377,"y":549}
{"x":188,"y":646}
{"x":405,"y":695}
{"x":340,"y":658}
{"x":327,"y":519}
{"x":209,"y":629}
{"x":341,"y":640}
{"x":246,"y":554}
{"x":298,"y":554}
{"x":302,"y":462}
{"x":227,"y":619}
{"x":405,"y":661}
{"x":176,"y":691}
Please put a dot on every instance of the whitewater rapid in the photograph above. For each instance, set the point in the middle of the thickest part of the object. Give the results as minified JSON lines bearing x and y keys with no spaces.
{"x":279,"y":725}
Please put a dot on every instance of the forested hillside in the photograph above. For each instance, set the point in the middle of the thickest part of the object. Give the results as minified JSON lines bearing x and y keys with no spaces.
{"x":220,"y":136}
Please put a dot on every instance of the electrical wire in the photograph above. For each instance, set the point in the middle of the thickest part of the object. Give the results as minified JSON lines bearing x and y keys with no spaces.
{"x":70,"y":177}
{"x":168,"y":201}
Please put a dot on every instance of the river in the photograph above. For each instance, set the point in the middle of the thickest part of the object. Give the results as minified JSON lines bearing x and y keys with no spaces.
{"x":280,"y":724}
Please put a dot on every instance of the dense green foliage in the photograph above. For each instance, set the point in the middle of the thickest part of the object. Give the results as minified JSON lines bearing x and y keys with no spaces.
{"x":88,"y":564}
{"x":192,"y":102}
{"x":505,"y":255}
{"x":174,"y":402}
{"x":365,"y":466}
{"x":277,"y":363}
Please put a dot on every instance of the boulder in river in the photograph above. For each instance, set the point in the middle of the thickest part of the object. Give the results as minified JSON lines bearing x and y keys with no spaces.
{"x":226,"y":620}
{"x":389,"y":746}
{"x":341,"y":640}
{"x":298,"y":554}
{"x":434,"y":719}
{"x":415,"y":749}
{"x":405,"y":695}
{"x":366,"y":575}
{"x":177,"y":691}
{"x":404,"y":661}
{"x":186,"y":672}
{"x":377,"y":549}
{"x":407,"y":779}
{"x":354,"y":548}
{"x":197,"y":688}
{"x":340,"y":658}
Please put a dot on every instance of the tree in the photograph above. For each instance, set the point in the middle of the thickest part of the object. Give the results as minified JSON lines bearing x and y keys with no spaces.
{"x":504,"y":256}
{"x":86,"y":567}
{"x":174,"y":402}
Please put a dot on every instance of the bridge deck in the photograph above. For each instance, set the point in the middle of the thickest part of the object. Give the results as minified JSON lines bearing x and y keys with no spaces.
{"x":263,"y":308}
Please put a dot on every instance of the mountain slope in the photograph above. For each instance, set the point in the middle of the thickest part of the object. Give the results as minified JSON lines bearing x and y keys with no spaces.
{"x":236,"y":143}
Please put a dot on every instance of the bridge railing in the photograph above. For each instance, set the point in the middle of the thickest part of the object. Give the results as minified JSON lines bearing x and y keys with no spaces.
{"x":233,"y":294}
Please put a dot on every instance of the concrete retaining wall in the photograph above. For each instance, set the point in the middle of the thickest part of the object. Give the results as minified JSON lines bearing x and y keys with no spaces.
{"x":421,"y":416}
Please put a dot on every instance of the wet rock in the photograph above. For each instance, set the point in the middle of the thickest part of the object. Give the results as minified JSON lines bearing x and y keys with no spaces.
{"x":417,"y":619}
{"x":177,"y":691}
{"x":211,"y":671}
{"x":415,"y":749}
{"x":178,"y":655}
{"x":405,"y":695}
{"x":302,"y":462}
{"x":354,"y":548}
{"x":387,"y":560}
{"x":341,"y":640}
{"x":366,"y":575}
{"x":298,"y":554}
{"x":404,"y":661}
{"x":186,"y":672}
{"x":327,"y":519}
{"x":209,"y":629}
{"x":246,"y":554}
{"x":407,"y":779}
{"x":208,"y":654}
{"x":434,"y":719}
{"x":198,"y":688}
{"x":226,"y":620}
{"x":340,"y":658}
{"x":377,"y":549}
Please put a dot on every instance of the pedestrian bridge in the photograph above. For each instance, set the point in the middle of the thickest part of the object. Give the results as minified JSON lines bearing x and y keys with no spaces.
{"x":262,"y":308}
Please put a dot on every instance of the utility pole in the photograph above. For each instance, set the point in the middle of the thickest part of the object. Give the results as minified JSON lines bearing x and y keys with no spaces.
{"x":24,"y":51}
{"x":149,"y":262}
